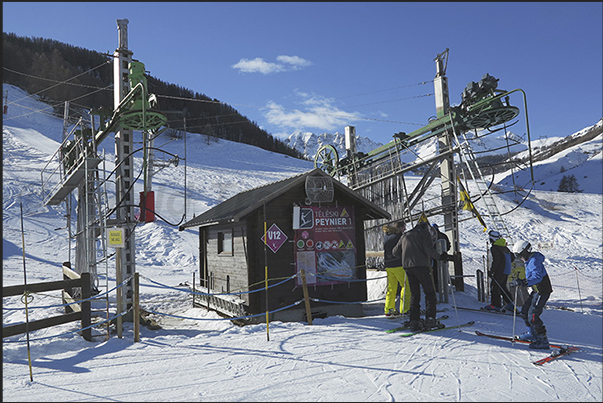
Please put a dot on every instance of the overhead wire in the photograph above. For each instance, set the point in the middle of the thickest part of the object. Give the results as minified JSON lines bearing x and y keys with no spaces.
{"x":387,"y":89}
{"x":233,"y":104}
{"x":65,"y":81}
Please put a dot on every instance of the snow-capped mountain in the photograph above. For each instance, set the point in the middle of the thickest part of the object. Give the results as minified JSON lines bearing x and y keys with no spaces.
{"x":308,"y":143}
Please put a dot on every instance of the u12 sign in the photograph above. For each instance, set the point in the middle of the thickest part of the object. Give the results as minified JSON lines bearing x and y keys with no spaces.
{"x":275,"y":238}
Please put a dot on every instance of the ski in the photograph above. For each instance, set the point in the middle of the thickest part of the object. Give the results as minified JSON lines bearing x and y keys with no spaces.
{"x":484,"y":310}
{"x":493,"y":336}
{"x":556,"y":354}
{"x":437,"y":329}
{"x":406,"y":315}
{"x":404,"y":327}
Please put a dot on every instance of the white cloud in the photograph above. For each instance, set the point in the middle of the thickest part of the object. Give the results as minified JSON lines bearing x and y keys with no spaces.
{"x":319,"y":113}
{"x":296,"y":62}
{"x":259,"y":65}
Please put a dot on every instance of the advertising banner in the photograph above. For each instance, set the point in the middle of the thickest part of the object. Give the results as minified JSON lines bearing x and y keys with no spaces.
{"x":325,"y":244}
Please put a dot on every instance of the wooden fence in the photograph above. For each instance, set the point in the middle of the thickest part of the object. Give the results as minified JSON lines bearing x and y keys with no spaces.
{"x":80,"y":311}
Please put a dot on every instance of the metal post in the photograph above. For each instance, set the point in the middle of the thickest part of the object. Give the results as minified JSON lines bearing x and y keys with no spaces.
{"x":442,"y":272}
{"x":350,"y":146}
{"x":447,"y":170}
{"x":119,"y":291}
{"x":136,"y":318}
{"x":124,"y":174}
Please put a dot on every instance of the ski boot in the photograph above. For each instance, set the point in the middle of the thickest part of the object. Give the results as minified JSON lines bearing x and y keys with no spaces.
{"x":392,"y":313}
{"x":527,"y":336}
{"x":416,"y":325}
{"x":541,"y":342}
{"x":433,"y":323}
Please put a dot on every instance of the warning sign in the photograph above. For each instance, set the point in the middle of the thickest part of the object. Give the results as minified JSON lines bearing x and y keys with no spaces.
{"x":115,"y":237}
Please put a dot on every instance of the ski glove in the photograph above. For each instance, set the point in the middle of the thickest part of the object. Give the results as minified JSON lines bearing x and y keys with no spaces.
{"x":521,"y":282}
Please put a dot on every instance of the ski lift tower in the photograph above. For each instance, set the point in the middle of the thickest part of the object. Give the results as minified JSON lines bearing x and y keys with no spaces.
{"x":124,"y":161}
{"x":447,"y":171}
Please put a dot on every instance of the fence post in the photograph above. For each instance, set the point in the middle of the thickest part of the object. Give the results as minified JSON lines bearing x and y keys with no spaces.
{"x":136,"y":319}
{"x":194,"y":289}
{"x":86,"y":311}
{"x":306,"y":298}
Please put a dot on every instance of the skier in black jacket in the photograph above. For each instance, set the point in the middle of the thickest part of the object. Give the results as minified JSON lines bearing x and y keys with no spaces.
{"x":416,"y":248}
{"x":500,"y":269}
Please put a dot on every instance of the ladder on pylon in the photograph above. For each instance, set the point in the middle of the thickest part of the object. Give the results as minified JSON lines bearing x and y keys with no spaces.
{"x":98,"y":222}
{"x":467,"y":158}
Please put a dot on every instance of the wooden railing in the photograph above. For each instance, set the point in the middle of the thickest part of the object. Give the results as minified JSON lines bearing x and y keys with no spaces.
{"x":75,"y":311}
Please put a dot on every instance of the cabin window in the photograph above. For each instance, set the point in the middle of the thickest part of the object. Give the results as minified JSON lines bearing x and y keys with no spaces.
{"x":225,"y":243}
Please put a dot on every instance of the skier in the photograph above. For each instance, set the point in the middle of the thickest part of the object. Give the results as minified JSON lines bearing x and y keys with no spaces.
{"x":499,"y":271}
{"x":416,"y":248}
{"x":538,"y":279}
{"x":434,"y":263}
{"x":396,"y":276}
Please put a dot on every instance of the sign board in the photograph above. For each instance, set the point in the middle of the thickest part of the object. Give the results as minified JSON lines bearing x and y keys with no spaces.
{"x":325,"y":243}
{"x":276,"y":238}
{"x":115,"y":237}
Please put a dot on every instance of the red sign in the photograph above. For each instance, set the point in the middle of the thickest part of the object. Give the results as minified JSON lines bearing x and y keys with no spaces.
{"x":276,"y":238}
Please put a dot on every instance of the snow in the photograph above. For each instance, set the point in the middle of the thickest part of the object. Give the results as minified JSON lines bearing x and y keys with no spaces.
{"x":197,"y":355}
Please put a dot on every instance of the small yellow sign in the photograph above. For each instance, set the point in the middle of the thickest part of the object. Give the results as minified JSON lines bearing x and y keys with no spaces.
{"x":115,"y":237}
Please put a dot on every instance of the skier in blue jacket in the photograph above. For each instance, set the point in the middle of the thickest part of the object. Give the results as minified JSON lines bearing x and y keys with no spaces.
{"x":537,"y":278}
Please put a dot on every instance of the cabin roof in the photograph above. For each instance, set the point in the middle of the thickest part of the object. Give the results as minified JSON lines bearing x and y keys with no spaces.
{"x":242,"y":204}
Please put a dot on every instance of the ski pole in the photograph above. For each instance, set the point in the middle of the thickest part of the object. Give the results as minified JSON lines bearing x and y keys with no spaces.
{"x":26,"y":295}
{"x":579,"y":294}
{"x":514,"y":311}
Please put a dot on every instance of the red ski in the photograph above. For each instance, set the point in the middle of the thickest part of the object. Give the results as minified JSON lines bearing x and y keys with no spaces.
{"x":556,"y":354}
{"x":493,"y":336}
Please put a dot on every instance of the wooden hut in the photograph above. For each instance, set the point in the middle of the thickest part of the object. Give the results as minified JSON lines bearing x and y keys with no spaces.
{"x":309,"y":221}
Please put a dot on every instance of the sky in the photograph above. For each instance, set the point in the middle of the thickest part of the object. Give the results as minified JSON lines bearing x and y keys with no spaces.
{"x":321,"y":66}
{"x":199,"y":356}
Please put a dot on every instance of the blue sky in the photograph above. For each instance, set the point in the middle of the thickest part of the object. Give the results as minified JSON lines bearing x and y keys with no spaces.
{"x":319,"y":67}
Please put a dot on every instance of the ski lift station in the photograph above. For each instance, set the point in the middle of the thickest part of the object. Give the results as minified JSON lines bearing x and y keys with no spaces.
{"x":316,"y":229}
{"x":308,"y":222}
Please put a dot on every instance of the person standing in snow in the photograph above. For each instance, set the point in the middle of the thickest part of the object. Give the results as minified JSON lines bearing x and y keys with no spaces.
{"x":396,"y":276}
{"x":416,"y":249}
{"x":499,"y":271}
{"x":537,"y":278}
{"x":434,"y":263}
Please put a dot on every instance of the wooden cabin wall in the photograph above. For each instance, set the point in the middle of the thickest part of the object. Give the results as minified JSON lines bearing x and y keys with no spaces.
{"x":281,"y":264}
{"x":227,"y":272}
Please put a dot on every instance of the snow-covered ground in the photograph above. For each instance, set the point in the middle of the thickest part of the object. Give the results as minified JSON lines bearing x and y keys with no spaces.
{"x":199,"y":356}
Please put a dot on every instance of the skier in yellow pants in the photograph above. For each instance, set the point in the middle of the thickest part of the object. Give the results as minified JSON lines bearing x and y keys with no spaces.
{"x":396,"y":276}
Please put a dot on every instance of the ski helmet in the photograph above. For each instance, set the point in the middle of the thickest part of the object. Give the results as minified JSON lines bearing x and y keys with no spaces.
{"x":521,"y":247}
{"x":494,"y":235}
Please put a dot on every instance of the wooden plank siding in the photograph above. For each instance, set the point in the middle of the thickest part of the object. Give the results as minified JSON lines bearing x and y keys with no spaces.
{"x":231,"y":266}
